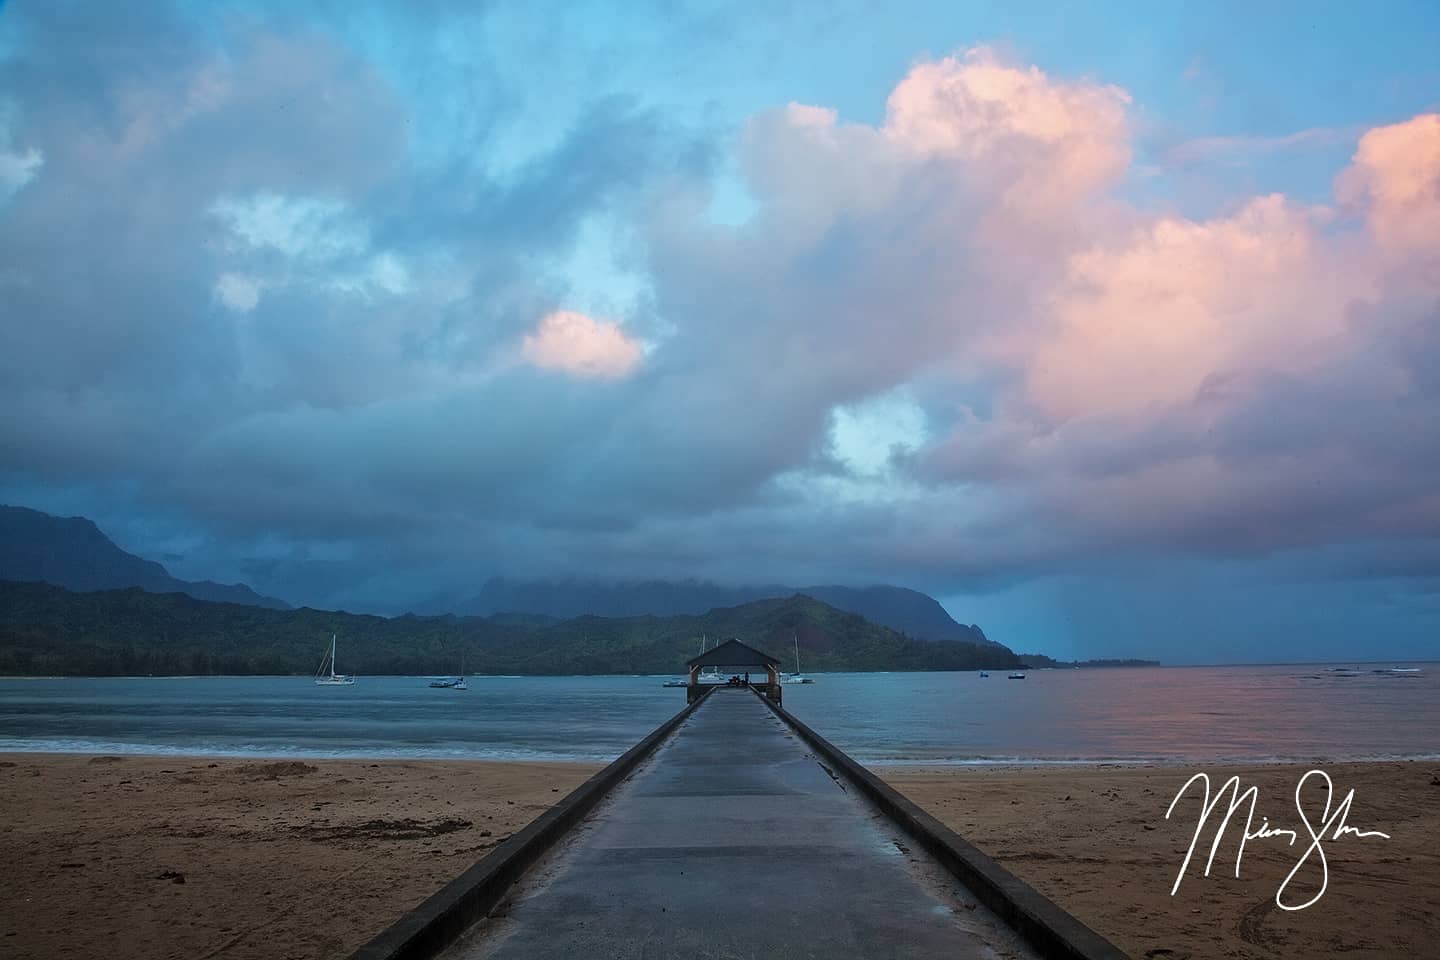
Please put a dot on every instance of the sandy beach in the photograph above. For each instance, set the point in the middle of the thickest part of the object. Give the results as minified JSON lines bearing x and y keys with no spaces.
{"x":194,"y":857}
{"x":171,"y":857}
{"x":1096,"y":841}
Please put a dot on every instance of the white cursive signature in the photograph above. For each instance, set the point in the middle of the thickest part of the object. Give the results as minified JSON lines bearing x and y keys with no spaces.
{"x":1331,"y":826}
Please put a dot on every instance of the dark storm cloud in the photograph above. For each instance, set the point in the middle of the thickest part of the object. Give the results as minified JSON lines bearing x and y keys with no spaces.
{"x":325,"y":406}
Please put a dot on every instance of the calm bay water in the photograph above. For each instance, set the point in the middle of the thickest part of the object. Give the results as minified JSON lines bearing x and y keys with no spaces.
{"x":1159,"y":713}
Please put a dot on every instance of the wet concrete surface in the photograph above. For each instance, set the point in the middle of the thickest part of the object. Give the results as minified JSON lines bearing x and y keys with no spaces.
{"x":733,"y":841}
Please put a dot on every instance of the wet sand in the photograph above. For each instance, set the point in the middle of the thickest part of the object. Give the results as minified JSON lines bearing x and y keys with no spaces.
{"x":310,"y":859}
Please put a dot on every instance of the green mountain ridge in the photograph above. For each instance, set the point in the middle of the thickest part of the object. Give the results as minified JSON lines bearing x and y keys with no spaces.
{"x":909,"y":611}
{"x":47,"y":630}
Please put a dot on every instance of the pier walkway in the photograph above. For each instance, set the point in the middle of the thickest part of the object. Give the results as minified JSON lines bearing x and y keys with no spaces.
{"x":732,"y":840}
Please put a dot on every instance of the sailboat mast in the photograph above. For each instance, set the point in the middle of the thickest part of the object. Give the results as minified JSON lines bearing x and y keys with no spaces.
{"x":332,"y":655}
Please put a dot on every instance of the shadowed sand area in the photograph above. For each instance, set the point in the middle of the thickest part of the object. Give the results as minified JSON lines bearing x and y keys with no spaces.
{"x":310,"y":859}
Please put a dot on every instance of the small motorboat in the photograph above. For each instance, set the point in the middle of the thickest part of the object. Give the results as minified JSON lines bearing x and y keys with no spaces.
{"x":1016,"y":676}
{"x":984,"y":673}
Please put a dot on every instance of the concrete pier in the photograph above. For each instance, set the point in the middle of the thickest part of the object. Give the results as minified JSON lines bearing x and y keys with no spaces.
{"x":734,"y":840}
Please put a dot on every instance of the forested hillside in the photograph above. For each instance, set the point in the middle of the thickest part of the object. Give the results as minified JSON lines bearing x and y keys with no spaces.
{"x":45,"y":630}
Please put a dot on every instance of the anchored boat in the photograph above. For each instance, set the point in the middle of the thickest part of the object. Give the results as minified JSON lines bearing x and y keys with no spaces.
{"x":455,"y":682}
{"x":795,"y":677}
{"x":326,"y":675}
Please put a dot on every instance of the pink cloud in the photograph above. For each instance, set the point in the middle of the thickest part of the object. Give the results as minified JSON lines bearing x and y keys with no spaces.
{"x":1395,"y":176}
{"x":1054,"y":138}
{"x":1142,"y":376}
{"x":1143,"y":319}
{"x":582,"y":346}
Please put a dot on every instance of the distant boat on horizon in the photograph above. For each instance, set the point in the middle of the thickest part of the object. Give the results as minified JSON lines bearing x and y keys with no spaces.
{"x":1016,"y":676}
{"x":326,"y":676}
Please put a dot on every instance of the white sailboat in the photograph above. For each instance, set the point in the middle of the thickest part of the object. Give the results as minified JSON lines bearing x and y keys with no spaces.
{"x":326,"y":675}
{"x":709,"y":674}
{"x":796,"y":677}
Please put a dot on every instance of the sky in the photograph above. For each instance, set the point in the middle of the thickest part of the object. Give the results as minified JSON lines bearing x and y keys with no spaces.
{"x":1115,"y":327}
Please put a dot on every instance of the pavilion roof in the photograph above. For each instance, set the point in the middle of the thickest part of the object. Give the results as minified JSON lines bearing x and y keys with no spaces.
{"x":733,"y":653}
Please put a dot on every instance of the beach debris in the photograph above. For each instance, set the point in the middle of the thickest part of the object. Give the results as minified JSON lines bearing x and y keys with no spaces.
{"x":70,"y":866}
{"x":174,"y":876}
{"x":274,"y":771}
{"x":403,"y":829}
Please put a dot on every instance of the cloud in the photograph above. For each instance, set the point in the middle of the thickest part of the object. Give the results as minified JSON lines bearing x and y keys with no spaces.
{"x":1142,"y":320}
{"x":238,"y":292}
{"x":1395,"y":177}
{"x":582,"y":346}
{"x":18,"y":168}
{"x":1238,"y":151}
{"x":946,"y":348}
{"x":302,"y":228}
{"x":1249,"y":383}
{"x":1102,"y":377}
{"x":1053,"y":139}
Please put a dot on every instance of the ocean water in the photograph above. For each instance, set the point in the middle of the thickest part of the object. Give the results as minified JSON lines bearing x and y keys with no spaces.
{"x":1187,"y":714}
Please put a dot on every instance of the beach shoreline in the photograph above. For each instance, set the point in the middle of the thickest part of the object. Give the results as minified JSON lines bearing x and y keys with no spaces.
{"x":166,"y":855}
